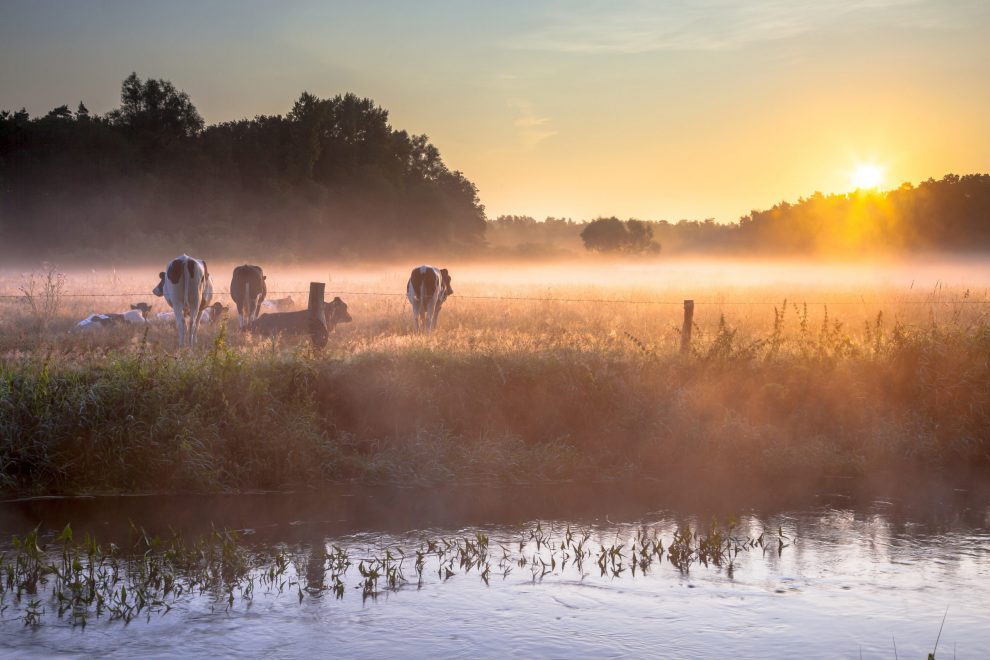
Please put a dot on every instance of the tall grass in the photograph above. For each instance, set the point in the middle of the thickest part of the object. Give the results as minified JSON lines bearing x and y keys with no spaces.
{"x":42,"y":294}
{"x":559,"y":394}
{"x":505,"y":391}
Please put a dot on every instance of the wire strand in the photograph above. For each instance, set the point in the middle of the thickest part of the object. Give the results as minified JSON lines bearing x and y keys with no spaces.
{"x":967,"y":301}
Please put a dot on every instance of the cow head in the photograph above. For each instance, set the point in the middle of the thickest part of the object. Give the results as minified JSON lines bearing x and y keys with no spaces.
{"x":445,"y":285}
{"x":160,"y":289}
{"x":217,"y":312}
{"x":336,"y":312}
{"x":142,"y":307}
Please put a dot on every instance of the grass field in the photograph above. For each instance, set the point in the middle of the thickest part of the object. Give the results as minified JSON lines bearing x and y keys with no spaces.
{"x":865,"y":370}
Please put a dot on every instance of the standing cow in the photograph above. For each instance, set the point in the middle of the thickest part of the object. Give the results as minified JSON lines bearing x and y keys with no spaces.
{"x":247,"y":288}
{"x":187,"y":288}
{"x":427,"y":290}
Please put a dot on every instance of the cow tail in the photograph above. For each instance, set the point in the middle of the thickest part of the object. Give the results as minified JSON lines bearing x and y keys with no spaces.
{"x":248,"y":303}
{"x":422,"y":294}
{"x":186,"y":276}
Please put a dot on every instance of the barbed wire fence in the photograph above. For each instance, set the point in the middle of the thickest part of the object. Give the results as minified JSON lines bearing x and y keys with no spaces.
{"x":617,"y":301}
{"x":317,"y":293}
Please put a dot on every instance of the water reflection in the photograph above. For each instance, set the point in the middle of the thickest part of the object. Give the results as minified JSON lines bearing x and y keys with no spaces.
{"x":859,"y":572}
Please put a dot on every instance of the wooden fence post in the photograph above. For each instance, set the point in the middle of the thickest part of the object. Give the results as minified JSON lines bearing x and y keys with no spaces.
{"x":317,"y":322}
{"x":688,"y":324}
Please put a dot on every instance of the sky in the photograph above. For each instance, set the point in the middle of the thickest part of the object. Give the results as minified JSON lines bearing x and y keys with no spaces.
{"x":655,"y":110}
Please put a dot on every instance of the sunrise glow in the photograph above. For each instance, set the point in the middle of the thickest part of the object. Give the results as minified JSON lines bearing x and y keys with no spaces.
{"x":867,"y":176}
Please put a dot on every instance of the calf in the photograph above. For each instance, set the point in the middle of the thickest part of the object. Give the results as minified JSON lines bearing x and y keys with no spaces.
{"x":144,"y":308}
{"x":106,"y":320}
{"x":297,"y":323}
{"x":186,"y":286}
{"x":212,"y":314}
{"x":248,"y":290}
{"x":427,"y":290}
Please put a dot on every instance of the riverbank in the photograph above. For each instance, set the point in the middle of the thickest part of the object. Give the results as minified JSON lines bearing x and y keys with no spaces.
{"x":467,"y":409}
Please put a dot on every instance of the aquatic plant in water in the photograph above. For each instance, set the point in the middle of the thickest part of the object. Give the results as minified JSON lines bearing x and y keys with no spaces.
{"x":46,"y":575}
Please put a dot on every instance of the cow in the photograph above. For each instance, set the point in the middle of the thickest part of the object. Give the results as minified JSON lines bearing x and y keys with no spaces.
{"x":427,"y":290}
{"x":186,"y":286}
{"x":107,"y":320}
{"x":278,"y":304}
{"x":144,"y":308}
{"x":297,"y":323}
{"x":248,"y":290}
{"x":212,"y":314}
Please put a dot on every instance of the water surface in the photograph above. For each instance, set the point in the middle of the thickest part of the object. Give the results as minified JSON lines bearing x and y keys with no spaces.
{"x":858,"y":573}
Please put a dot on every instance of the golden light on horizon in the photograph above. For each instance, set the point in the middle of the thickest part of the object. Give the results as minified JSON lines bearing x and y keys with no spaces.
{"x":866,"y":175}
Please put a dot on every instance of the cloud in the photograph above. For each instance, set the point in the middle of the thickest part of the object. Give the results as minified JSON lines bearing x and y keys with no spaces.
{"x":701,"y":25}
{"x":530,"y":129}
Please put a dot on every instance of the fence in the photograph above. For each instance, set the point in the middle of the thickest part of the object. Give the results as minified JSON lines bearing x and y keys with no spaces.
{"x":609,"y":301}
{"x":317,"y":292}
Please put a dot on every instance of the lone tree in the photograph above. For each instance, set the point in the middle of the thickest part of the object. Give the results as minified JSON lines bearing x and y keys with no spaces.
{"x":613,"y":235}
{"x":154,"y":110}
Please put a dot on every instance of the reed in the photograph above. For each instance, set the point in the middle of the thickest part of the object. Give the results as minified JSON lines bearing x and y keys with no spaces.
{"x":51,"y":574}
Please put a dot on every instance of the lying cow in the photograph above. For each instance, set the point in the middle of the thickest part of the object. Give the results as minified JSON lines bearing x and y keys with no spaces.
{"x":427,"y":290}
{"x":212,"y":314}
{"x":186,"y":286}
{"x":248,"y":290}
{"x":297,"y":323}
{"x":142,"y":307}
{"x":278,"y":304}
{"x":107,"y":320}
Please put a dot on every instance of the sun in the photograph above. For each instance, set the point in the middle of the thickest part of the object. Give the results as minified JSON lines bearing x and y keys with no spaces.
{"x":866,"y":175}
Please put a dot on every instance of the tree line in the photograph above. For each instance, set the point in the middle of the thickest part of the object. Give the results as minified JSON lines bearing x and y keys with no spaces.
{"x":951,"y":214}
{"x":331,"y":177}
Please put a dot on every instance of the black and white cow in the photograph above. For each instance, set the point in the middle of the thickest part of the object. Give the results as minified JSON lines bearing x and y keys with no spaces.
{"x":248,"y":290}
{"x":107,"y":320}
{"x":427,"y":290}
{"x":136,"y":314}
{"x":297,"y":323}
{"x":187,"y":288}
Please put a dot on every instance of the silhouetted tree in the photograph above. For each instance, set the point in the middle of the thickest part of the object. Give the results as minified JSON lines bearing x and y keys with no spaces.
{"x":640,"y":238}
{"x":950,"y":214}
{"x":331,"y":177}
{"x":614,"y":235}
{"x":156,"y":110}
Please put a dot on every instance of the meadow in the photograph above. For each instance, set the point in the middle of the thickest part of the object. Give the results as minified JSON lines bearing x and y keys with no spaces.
{"x":537,"y":373}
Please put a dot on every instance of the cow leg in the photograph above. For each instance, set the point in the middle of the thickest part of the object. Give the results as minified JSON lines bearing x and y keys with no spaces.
{"x":431,"y":312}
{"x":194,"y":326}
{"x":413,"y":303}
{"x":415,"y":313}
{"x":180,"y":324}
{"x":255,"y":310}
{"x":242,"y":311}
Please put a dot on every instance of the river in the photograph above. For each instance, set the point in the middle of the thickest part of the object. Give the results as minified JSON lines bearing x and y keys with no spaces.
{"x":845,"y":572}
